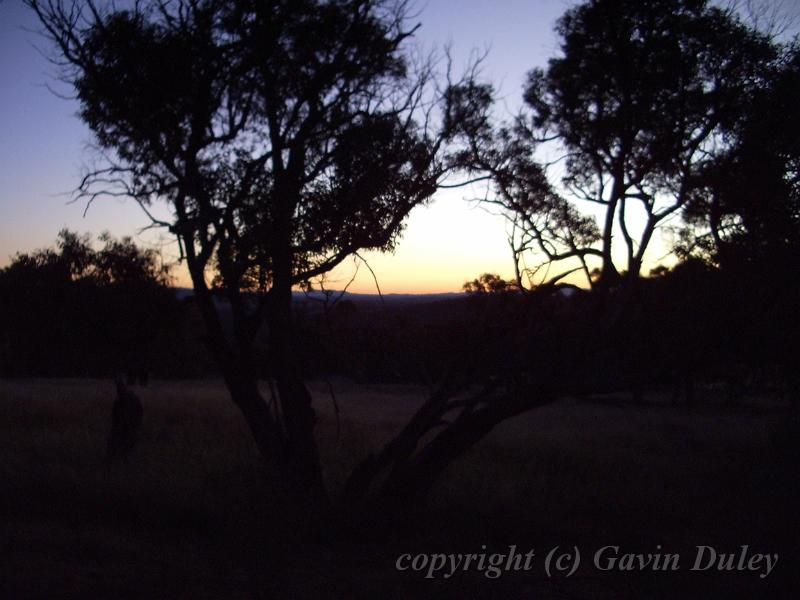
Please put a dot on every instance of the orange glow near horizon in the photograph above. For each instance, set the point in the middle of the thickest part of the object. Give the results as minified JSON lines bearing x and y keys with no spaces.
{"x":445,"y":244}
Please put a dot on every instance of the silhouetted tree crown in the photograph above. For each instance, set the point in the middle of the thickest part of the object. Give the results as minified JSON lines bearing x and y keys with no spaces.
{"x":489,"y":283}
{"x":639,"y":98}
{"x":747,"y":209}
{"x":271,"y":127}
{"x":119,"y":261}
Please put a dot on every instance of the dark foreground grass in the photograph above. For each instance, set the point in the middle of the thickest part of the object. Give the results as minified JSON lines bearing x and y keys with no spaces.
{"x":190,"y":517}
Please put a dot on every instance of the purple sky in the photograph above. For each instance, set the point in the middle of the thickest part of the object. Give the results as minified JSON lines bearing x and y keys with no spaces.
{"x":43,"y":147}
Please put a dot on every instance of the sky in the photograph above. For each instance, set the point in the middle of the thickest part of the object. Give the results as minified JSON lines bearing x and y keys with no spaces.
{"x":44,"y":149}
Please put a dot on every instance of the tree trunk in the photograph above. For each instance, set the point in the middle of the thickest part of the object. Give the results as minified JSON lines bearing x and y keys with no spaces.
{"x":608,"y":271}
{"x":285,"y":440}
{"x":389,"y":488}
{"x":304,"y":471}
{"x":264,"y":427}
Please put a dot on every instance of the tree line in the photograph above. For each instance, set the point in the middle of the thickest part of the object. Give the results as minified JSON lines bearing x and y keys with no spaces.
{"x":74,"y":310}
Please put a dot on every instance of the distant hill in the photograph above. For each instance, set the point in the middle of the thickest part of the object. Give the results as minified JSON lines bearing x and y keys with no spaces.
{"x":368,"y":310}
{"x":361,"y":299}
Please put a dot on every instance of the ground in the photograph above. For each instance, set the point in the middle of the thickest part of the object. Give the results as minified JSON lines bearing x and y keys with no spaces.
{"x":188,"y":515}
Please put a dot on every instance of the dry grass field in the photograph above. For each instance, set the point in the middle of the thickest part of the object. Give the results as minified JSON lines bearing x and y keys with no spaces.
{"x":186,"y":518}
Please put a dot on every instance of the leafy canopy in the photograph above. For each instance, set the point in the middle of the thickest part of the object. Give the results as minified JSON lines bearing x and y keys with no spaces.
{"x":285,"y":136}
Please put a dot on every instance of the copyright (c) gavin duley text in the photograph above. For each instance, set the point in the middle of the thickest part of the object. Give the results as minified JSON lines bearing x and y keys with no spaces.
{"x":565,"y":560}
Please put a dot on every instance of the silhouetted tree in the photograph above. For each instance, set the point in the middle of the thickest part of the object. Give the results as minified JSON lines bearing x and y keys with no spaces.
{"x":284,"y":136}
{"x":640,"y":96}
{"x":489,"y":283}
{"x":77,"y":310}
{"x":649,"y":101}
{"x":745,"y":217}
{"x":748,"y":207}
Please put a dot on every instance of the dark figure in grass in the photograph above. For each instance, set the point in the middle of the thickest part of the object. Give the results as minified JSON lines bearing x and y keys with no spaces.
{"x":126,"y":421}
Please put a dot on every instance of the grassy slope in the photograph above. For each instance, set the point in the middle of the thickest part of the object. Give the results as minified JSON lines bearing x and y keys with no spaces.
{"x":183,"y":519}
